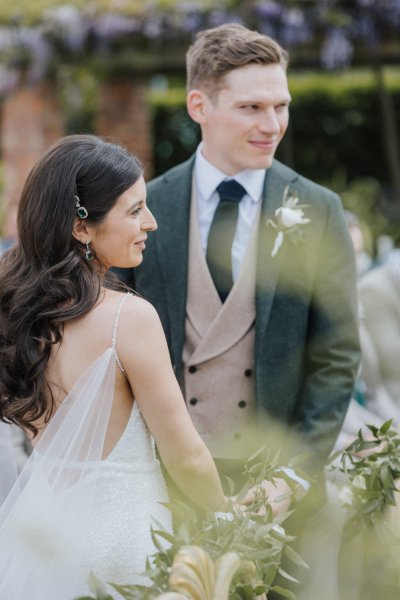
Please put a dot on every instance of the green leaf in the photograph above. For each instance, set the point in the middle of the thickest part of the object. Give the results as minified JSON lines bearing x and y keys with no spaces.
{"x":181,"y":513}
{"x":283,"y":592}
{"x":287,"y":576}
{"x":390,"y":498}
{"x":127,"y":591}
{"x":386,"y":426}
{"x":256,"y":554}
{"x":386,"y":476}
{"x":372,"y":428}
{"x":300,"y":459}
{"x":333,"y":456}
{"x":260,"y":589}
{"x":256,"y":468}
{"x":243,"y":491}
{"x":283,"y":516}
{"x":294,"y":557}
{"x":256,"y":454}
{"x":284,"y":496}
{"x":371,"y":506}
{"x":165,"y":535}
{"x":230,"y":485}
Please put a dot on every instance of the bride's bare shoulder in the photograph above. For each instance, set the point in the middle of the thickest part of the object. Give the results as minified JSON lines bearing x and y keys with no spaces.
{"x":137,"y":313}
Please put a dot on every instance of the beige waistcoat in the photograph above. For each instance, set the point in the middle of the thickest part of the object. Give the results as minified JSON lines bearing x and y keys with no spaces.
{"x":218,"y":354}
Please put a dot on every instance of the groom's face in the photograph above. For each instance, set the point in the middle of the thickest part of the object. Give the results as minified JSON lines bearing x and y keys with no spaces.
{"x":244,"y":122}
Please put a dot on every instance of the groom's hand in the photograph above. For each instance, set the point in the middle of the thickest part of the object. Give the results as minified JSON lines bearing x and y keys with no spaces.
{"x":278,"y":494}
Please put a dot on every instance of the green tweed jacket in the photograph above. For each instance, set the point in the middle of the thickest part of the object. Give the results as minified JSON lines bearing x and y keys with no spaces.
{"x":307,"y":348}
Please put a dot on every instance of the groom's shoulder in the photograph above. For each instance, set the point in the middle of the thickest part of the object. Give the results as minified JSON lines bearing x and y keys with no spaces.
{"x":176,"y":176}
{"x":306,"y":187}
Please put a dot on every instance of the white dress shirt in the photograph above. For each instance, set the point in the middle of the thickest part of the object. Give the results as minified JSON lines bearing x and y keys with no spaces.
{"x":206,"y":180}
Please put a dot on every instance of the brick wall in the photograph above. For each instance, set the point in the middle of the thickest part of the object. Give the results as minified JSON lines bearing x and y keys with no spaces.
{"x":124,"y":117}
{"x":31,"y":122}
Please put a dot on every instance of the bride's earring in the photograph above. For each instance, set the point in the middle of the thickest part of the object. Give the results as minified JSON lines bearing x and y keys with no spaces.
{"x":89,"y":254}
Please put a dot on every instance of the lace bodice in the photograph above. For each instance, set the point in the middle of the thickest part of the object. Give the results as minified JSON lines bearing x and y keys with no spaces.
{"x":136,"y":446}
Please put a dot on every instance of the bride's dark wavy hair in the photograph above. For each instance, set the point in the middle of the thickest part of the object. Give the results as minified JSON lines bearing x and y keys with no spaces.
{"x":45,"y":279}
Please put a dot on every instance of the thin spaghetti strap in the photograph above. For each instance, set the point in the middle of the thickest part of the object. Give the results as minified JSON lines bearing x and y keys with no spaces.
{"x":115,"y":330}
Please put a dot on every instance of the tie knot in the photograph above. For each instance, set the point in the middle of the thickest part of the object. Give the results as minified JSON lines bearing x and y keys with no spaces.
{"x":230,"y":191}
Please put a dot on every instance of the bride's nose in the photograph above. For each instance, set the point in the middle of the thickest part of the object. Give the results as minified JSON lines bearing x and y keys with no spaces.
{"x":149,"y":223}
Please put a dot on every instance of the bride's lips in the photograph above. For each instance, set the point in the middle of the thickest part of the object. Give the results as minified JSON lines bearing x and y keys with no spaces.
{"x":141,"y":244}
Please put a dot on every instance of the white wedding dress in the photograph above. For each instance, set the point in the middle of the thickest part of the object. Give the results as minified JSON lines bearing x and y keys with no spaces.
{"x":71,"y":512}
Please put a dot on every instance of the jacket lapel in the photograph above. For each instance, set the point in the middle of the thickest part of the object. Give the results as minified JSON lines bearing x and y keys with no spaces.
{"x":172,"y":213}
{"x":268,"y":267}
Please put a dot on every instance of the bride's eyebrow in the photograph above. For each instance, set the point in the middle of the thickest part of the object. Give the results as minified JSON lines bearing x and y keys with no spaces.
{"x":133,"y":206}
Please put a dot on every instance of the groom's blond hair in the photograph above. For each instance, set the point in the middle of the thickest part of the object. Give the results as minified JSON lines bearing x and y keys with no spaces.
{"x":217,"y":51}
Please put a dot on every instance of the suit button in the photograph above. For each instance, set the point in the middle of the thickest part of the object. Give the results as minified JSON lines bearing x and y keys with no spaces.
{"x":193,"y":401}
{"x":192,"y":369}
{"x":237,"y":436}
{"x":248,"y":372}
{"x":242,"y":403}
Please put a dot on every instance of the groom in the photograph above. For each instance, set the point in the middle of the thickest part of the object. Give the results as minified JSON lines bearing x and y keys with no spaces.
{"x":252,"y":268}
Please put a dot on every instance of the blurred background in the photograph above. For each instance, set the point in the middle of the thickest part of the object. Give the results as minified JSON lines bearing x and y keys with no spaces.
{"x":116,"y":68}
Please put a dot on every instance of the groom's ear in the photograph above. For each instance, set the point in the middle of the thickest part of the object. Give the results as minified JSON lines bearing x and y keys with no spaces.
{"x":80,"y":231}
{"x":196,"y":101}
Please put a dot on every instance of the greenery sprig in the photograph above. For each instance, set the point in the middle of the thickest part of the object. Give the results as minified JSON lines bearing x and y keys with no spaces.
{"x":371,"y":465}
{"x":254,"y":535}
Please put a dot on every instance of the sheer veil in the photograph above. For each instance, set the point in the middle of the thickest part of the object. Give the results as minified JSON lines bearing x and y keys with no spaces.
{"x":46,"y":517}
{"x":8,"y":463}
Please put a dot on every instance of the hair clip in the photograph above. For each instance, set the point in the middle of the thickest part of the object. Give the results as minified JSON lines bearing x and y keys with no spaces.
{"x":80,"y":210}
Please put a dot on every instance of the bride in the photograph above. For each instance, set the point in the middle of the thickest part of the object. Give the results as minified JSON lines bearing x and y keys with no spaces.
{"x":85,"y":371}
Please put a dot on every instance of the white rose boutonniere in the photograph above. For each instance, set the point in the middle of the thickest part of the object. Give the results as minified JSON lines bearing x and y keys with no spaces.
{"x":289,"y":219}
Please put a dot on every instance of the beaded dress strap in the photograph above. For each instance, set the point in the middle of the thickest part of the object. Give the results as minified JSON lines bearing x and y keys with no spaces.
{"x":115,"y":329}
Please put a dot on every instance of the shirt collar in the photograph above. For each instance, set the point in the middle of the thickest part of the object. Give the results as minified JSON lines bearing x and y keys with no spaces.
{"x":208,"y":177}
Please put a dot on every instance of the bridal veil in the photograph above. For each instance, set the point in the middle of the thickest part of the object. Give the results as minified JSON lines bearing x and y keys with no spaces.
{"x":45,"y":518}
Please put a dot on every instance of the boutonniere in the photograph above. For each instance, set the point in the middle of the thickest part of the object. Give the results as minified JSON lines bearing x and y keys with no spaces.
{"x":289,"y":219}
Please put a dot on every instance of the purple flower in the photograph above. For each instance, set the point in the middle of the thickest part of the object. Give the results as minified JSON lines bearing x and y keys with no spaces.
{"x":220,"y":17}
{"x":8,"y":79}
{"x":268,"y":10}
{"x":295,"y":30}
{"x":188,"y":7}
{"x":7,"y":39}
{"x":337,"y":50}
{"x":112,"y":26}
{"x":68,"y":23}
{"x":32,"y":44}
{"x":364,"y":28}
{"x":192,"y":22}
{"x":153,"y":28}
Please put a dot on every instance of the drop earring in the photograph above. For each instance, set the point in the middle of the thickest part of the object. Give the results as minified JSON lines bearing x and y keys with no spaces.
{"x":89,"y":254}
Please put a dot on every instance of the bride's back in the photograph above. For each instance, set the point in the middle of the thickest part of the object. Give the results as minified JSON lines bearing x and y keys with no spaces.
{"x":84,"y":340}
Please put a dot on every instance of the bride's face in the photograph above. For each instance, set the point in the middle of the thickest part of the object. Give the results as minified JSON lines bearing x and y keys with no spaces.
{"x":120,"y":239}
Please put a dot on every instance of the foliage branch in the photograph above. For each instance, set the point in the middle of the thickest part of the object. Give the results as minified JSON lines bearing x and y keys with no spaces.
{"x":371,"y":465}
{"x":254,"y":535}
